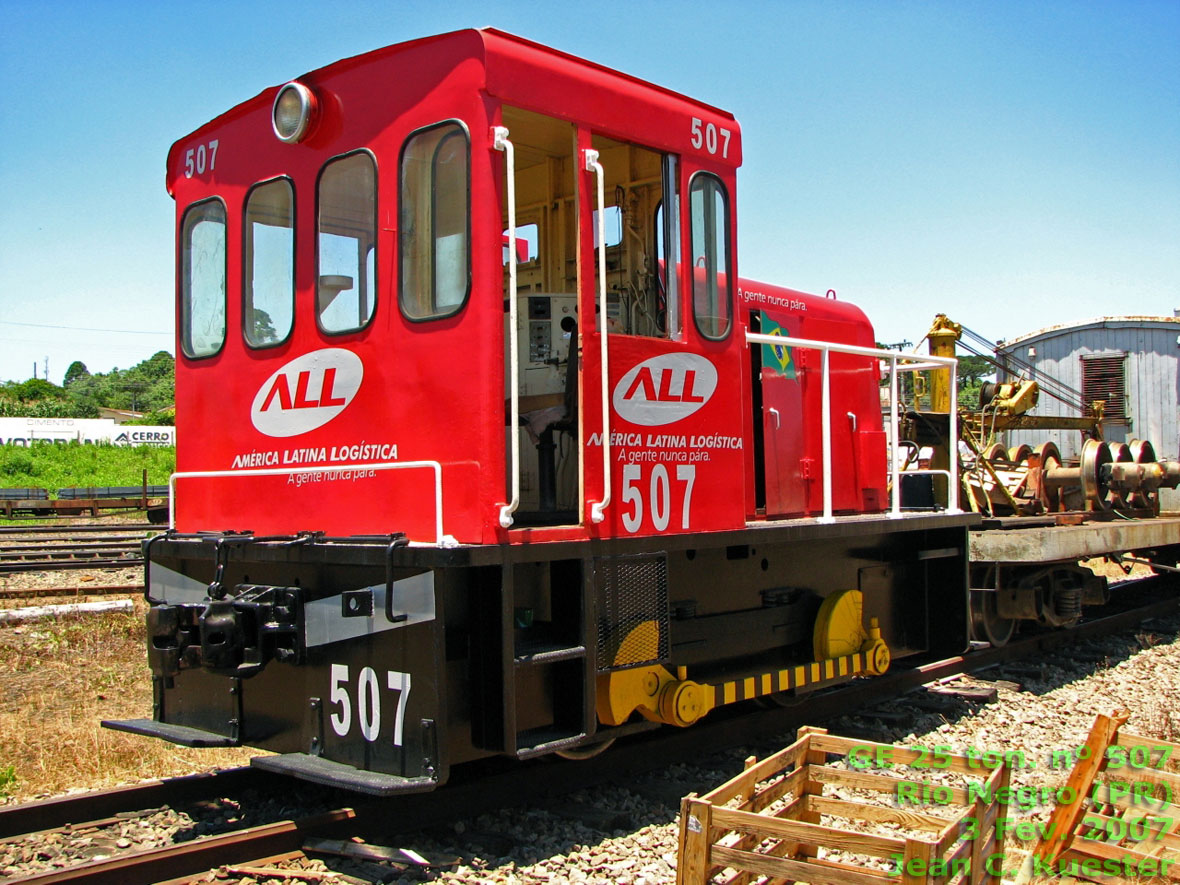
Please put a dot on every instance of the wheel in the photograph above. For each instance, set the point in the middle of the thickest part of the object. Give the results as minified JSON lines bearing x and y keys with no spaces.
{"x":781,"y":699}
{"x":1050,"y":458}
{"x":986,"y":623}
{"x":585,"y":751}
{"x":1142,"y":452}
{"x":994,"y":452}
{"x":1095,"y":456}
{"x":1019,"y":454}
{"x":1120,"y":453}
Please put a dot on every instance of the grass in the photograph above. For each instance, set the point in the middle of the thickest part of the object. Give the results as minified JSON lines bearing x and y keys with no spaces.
{"x":55,"y":466}
{"x":61,"y":677}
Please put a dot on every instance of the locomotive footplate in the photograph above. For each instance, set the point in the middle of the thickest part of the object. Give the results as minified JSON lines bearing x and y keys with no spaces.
{"x":176,"y":734}
{"x":320,"y":650}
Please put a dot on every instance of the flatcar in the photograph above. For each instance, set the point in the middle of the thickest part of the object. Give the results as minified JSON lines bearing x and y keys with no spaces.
{"x":486,"y":448}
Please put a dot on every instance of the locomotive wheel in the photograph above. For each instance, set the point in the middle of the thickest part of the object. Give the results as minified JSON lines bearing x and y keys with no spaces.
{"x":780,"y":699}
{"x":1050,"y":457}
{"x":585,"y":751}
{"x":1019,"y":454}
{"x":986,"y":623}
{"x":1120,"y":453}
{"x":1095,"y":455}
{"x":1142,"y":452}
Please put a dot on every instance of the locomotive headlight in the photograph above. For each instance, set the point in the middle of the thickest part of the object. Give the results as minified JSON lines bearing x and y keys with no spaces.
{"x":293,"y":111}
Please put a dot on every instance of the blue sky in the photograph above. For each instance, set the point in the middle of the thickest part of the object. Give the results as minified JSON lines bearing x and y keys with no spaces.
{"x":1012,"y":164}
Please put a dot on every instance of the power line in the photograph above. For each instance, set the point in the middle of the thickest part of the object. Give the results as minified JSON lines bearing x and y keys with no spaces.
{"x":82,"y":328}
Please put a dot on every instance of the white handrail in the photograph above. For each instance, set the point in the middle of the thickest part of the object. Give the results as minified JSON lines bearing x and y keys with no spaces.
{"x":440,"y":539}
{"x":912,"y":364}
{"x":592,"y":165}
{"x":501,"y":143}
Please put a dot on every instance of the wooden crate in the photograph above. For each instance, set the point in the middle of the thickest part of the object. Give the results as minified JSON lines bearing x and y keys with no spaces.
{"x":770,"y":822}
{"x":1125,"y":817}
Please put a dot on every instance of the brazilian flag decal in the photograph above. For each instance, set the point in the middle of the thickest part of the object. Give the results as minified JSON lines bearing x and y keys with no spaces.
{"x":776,"y":356}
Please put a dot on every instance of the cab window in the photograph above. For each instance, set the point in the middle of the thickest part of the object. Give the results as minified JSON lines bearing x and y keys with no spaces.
{"x":434,"y":228}
{"x":202,"y":279}
{"x":346,"y":264}
{"x":637,"y":302}
{"x":269,"y":264}
{"x":711,"y":278}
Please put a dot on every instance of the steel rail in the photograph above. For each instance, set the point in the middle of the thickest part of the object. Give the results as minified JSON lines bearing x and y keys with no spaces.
{"x":102,"y":590}
{"x":48,"y":529}
{"x":37,"y":565}
{"x":49,"y":548}
{"x":44,"y":814}
{"x":103,"y":538}
{"x":200,"y":855}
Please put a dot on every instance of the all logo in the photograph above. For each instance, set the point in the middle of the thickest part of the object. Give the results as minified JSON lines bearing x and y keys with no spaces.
{"x":664,"y":389}
{"x":307,"y":392}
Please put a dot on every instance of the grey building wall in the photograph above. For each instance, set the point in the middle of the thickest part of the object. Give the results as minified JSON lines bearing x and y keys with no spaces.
{"x":1151,"y":377}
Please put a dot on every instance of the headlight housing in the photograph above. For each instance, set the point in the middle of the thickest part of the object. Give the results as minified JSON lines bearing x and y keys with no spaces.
{"x":293,"y":113}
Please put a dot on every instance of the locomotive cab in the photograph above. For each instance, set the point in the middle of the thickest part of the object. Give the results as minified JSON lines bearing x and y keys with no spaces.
{"x":484,"y":447}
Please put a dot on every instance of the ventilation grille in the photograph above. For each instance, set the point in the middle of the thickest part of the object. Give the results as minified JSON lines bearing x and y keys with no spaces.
{"x":632,"y":611}
{"x":1103,"y":378}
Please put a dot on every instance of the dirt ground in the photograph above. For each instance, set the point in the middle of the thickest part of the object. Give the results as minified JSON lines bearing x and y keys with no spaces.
{"x":61,"y":677}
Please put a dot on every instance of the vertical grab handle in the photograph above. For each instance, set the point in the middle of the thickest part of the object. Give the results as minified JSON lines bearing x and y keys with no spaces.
{"x":501,"y":143}
{"x":592,"y":165}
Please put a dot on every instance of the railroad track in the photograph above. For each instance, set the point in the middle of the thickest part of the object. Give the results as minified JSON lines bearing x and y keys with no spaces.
{"x":70,"y":547}
{"x":78,"y":590}
{"x":495,"y":783}
{"x":77,"y":530}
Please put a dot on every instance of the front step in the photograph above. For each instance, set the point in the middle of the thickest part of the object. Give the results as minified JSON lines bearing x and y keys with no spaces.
{"x":177,"y":734}
{"x":327,"y":773}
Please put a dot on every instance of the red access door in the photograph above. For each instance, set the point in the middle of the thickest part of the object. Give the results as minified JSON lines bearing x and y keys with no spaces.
{"x":786,"y":469}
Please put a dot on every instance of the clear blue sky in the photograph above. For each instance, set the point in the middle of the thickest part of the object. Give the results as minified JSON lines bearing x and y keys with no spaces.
{"x":1013,"y":164}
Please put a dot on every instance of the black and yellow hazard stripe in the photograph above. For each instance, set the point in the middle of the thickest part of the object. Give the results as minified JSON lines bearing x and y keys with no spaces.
{"x":784,"y":680}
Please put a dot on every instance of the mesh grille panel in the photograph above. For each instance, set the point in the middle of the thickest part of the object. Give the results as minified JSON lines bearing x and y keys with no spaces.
{"x":632,"y":611}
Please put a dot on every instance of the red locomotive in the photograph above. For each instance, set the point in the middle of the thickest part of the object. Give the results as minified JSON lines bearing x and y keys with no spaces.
{"x":484,"y":445}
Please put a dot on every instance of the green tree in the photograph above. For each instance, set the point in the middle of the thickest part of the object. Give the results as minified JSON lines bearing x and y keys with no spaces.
{"x":34,"y":389}
{"x":76,"y":370}
{"x":264,"y":328}
{"x":973,"y":369}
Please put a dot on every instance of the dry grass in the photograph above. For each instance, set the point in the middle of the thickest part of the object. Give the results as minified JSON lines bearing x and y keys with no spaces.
{"x":61,"y":677}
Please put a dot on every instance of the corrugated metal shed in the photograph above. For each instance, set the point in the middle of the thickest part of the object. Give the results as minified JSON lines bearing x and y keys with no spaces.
{"x":1131,"y":361}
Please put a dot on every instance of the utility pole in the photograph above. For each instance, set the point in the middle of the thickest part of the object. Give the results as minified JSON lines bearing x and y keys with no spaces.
{"x":46,"y":375}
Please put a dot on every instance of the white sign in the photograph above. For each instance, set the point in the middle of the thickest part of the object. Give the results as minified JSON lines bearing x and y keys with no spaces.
{"x":665,"y":389}
{"x":307,"y":392}
{"x":35,"y":431}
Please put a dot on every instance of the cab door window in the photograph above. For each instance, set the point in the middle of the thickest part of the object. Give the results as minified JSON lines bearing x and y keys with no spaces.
{"x":711,"y":277}
{"x":637,"y":302}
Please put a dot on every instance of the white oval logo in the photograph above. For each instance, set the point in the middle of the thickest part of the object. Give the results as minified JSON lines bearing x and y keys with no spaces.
{"x":307,"y":392}
{"x":664,"y":389}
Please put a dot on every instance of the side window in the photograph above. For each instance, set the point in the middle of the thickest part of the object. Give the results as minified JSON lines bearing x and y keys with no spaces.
{"x":269,"y":264}
{"x":202,"y":279}
{"x":346,"y":238}
{"x":709,"y":227}
{"x":434,"y":222}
